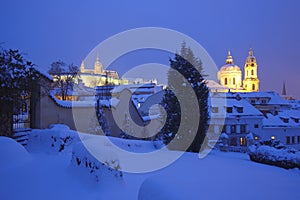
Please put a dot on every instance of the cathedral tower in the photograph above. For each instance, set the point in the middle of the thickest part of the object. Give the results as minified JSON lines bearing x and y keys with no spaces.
{"x":251,"y":81}
{"x":98,"y":66}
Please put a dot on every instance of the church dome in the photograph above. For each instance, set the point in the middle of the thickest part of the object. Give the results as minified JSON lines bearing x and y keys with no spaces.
{"x":230,"y":75}
{"x":230,"y":66}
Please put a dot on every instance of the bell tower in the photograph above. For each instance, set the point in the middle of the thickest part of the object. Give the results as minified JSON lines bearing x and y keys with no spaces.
{"x":251,"y":81}
{"x":98,"y":66}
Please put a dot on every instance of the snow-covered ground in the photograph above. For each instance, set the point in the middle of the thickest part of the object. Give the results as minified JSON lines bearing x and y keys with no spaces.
{"x":41,"y":173}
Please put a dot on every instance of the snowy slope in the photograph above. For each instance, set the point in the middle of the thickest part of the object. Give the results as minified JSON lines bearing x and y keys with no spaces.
{"x":218,"y":176}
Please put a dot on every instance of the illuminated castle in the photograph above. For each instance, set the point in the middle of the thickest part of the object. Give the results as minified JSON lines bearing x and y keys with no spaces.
{"x":230,"y":75}
{"x":98,"y":77}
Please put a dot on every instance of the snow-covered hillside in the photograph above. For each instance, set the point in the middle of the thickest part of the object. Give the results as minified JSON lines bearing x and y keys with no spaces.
{"x":46,"y":173}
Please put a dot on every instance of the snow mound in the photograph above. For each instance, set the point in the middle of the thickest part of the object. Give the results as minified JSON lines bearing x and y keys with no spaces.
{"x":98,"y":163}
{"x":12,"y":153}
{"x":58,"y":138}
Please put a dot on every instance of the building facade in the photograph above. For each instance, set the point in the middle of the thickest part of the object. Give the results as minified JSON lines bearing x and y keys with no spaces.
{"x":97,"y":76}
{"x":230,"y":75}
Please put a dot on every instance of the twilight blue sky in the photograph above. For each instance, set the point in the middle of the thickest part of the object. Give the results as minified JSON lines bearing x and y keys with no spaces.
{"x":68,"y":30}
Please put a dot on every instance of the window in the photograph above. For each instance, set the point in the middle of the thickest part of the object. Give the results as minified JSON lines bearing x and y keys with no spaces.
{"x":298,"y":139}
{"x":252,"y":101}
{"x":293,"y":140}
{"x":223,"y":129}
{"x":243,"y":128}
{"x":296,"y":120}
{"x":233,"y":141}
{"x":215,"y":109}
{"x":285,"y":120}
{"x":253,"y":87}
{"x":225,"y":81}
{"x":256,"y":138}
{"x":242,"y":141}
{"x":287,"y":139}
{"x":232,"y":129}
{"x":239,"y":109}
{"x":229,"y":109}
{"x":252,"y":72}
{"x":263,"y":101}
{"x":256,"y":126}
{"x":233,"y":81}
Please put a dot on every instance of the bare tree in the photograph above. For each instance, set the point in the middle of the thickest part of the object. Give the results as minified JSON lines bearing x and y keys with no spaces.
{"x":64,"y":76}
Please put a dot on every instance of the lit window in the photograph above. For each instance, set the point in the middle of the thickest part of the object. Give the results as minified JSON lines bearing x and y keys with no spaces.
{"x":273,"y":137}
{"x":256,"y":138}
{"x":252,"y":72}
{"x":242,"y":141}
{"x":215,"y":109}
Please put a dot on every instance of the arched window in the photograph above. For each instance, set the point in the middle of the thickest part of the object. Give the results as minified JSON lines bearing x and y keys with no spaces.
{"x":233,"y":81}
{"x":252,"y":72}
{"x":225,"y":81}
{"x":253,"y":86}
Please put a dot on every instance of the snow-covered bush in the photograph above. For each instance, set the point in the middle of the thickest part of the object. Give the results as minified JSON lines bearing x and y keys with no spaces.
{"x":272,"y":152}
{"x":58,"y":138}
{"x":88,"y":165}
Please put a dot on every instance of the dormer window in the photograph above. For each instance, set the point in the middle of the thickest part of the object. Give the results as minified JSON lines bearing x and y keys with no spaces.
{"x":215,"y":109}
{"x":229,"y":109}
{"x":239,"y":109}
{"x":296,"y":120}
{"x":252,"y":101}
{"x":263,"y":101}
{"x":285,"y":120}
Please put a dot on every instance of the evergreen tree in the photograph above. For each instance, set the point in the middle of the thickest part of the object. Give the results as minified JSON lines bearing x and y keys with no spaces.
{"x":185,"y":70}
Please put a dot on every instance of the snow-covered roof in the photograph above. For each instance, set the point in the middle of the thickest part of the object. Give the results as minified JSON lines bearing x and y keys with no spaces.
{"x":247,"y":108}
{"x":285,"y":118}
{"x":273,"y":97}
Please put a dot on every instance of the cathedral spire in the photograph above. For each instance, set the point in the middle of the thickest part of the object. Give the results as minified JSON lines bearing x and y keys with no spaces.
{"x":250,"y":53}
{"x":98,"y":69}
{"x":229,"y":59}
{"x":283,"y":89}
